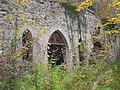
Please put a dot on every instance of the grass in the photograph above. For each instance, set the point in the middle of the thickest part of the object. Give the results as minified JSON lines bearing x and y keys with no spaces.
{"x":96,"y":76}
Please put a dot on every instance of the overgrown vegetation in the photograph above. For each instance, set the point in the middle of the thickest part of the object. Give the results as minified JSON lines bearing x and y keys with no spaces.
{"x":70,"y":10}
{"x":95,"y":76}
{"x":38,"y":76}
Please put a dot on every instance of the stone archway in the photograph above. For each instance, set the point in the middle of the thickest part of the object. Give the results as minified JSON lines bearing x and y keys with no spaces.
{"x":27,"y":45}
{"x":57,"y":48}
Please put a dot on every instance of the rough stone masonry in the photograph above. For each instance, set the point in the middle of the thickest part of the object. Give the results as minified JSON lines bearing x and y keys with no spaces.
{"x":51,"y":31}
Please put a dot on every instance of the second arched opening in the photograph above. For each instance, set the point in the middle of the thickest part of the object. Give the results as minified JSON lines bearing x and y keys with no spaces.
{"x":57,"y":48}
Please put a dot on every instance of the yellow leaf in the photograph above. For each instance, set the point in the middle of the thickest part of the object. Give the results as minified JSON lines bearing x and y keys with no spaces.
{"x":42,"y":31}
{"x":26,"y":23}
{"x":1,"y":42}
{"x":48,"y":47}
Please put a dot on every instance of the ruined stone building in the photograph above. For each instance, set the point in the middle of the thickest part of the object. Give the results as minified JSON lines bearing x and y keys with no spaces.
{"x":50,"y":30}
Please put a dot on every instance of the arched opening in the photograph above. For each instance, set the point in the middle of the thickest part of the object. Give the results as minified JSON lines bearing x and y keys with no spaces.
{"x":57,"y":48}
{"x":81,"y":57}
{"x":27,"y":45}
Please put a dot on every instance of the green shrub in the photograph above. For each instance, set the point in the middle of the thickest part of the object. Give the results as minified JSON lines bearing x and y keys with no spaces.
{"x":96,"y":76}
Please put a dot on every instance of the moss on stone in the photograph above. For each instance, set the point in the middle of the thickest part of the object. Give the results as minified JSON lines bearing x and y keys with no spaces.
{"x":70,"y":10}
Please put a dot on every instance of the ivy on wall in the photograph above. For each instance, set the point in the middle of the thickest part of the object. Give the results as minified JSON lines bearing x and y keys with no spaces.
{"x":70,"y":10}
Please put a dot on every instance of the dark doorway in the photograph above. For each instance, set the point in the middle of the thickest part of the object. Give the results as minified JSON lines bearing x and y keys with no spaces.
{"x":27,"y":45}
{"x":57,"y":49}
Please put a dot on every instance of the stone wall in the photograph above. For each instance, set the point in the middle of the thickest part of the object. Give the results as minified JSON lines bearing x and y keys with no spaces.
{"x":42,"y":19}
